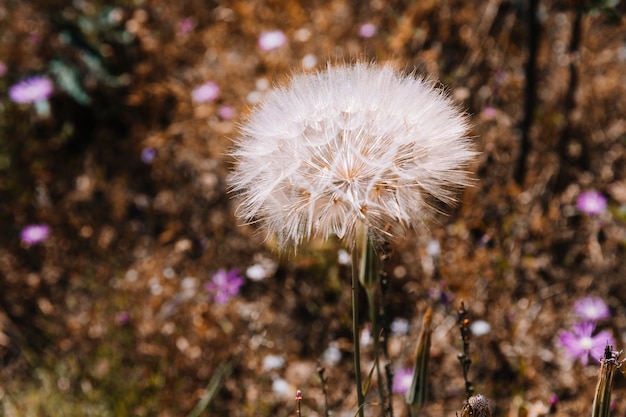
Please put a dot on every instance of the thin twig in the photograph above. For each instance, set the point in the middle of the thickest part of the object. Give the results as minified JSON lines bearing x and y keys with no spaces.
{"x":320,"y":372}
{"x":466,"y":362}
{"x":570,"y":103}
{"x":533,"y":28}
{"x":384,"y":284}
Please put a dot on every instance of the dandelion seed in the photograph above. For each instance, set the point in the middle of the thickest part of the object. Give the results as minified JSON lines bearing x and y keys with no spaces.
{"x":592,"y":309}
{"x":34,"y":233}
{"x":348,"y":147}
{"x":580,"y":343}
{"x":591,"y":202}
{"x":31,"y":90}
{"x":224,"y":285}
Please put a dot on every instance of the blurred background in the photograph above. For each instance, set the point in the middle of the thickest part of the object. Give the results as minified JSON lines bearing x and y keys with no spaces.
{"x":128,"y":288}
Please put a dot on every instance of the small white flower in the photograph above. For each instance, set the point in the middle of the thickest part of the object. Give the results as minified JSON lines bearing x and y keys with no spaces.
{"x":332,"y":354}
{"x":256,"y":272}
{"x":273,"y":39}
{"x":272,"y":362}
{"x":400,"y":326}
{"x":351,"y":146}
{"x":480,"y":328}
{"x":281,"y":387}
{"x":343,"y":257}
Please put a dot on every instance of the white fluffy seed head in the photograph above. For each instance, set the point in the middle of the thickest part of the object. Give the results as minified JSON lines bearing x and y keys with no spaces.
{"x":352,"y":146}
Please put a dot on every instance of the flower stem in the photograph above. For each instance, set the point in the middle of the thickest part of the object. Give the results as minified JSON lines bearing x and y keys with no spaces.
{"x":355,"y":333}
{"x":379,"y":376}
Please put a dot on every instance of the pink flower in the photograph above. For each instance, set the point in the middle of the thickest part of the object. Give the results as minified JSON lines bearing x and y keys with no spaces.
{"x":273,"y":39}
{"x":402,"y":380}
{"x":34,"y":233}
{"x":31,"y":90}
{"x":591,"y":202}
{"x":489,"y":113}
{"x":367,"y":30}
{"x":580,"y":342}
{"x":186,"y":25}
{"x":592,"y":309}
{"x":224,"y":285}
{"x":226,"y":112}
{"x":208,"y":91}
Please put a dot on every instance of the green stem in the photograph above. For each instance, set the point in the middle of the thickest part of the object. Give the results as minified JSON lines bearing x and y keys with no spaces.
{"x":379,"y":377}
{"x":355,"y":333}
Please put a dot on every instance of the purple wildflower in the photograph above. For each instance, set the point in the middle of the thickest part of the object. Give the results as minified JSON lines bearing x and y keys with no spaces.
{"x":402,"y":380}
{"x":273,"y":39}
{"x":591,"y":202}
{"x":208,"y":91}
{"x":489,"y":113}
{"x":122,"y":318}
{"x":367,"y":30}
{"x":225,"y":112}
{"x":580,"y":342}
{"x":148,"y":154}
{"x":592,"y":309}
{"x":34,"y":233}
{"x":186,"y":25}
{"x":224,"y":285}
{"x":31,"y":90}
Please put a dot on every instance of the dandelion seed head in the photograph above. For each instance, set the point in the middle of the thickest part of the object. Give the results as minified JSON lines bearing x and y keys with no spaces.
{"x":349,"y":146}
